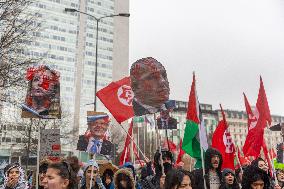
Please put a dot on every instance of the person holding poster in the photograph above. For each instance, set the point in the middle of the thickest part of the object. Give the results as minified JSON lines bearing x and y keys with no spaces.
{"x":43,"y":96}
{"x":150,"y":85}
{"x":94,"y":140}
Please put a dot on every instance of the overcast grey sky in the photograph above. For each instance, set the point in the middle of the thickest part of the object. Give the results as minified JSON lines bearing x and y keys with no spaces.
{"x":227,"y":43}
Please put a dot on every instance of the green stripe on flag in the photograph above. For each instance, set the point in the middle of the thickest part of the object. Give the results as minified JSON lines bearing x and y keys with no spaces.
{"x":191,"y":143}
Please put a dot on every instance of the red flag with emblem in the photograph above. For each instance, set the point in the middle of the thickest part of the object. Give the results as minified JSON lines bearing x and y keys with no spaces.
{"x":259,"y":119}
{"x":223,"y":141}
{"x":117,"y":98}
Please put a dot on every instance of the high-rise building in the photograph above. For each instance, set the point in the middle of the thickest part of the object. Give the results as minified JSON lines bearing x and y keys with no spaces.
{"x":67,"y":43}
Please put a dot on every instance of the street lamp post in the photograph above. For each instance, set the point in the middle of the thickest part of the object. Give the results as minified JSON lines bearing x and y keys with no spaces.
{"x":97,"y":39}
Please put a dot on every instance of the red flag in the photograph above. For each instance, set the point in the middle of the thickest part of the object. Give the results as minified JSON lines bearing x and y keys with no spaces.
{"x":125,"y":155}
{"x":267,"y":157}
{"x":243,"y":160}
{"x":257,"y":124}
{"x":181,"y":152}
{"x":251,"y":118}
{"x":117,"y":98}
{"x":272,"y":153}
{"x":173,"y":147}
{"x":223,"y":141}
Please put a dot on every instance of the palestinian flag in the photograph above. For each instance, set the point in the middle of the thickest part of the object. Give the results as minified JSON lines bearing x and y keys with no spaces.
{"x":195,"y":134}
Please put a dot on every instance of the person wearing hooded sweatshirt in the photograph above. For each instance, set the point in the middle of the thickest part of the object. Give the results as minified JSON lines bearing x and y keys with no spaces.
{"x":123,"y":179}
{"x":155,"y":181}
{"x":229,"y":180}
{"x":14,"y":177}
{"x":213,"y":162}
{"x":129,"y":165}
{"x":97,"y":181}
{"x":108,"y":179}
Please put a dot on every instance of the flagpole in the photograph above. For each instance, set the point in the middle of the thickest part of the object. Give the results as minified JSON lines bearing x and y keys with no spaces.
{"x":201,"y":149}
{"x":144,"y":136}
{"x":151,"y":145}
{"x":125,"y":153}
{"x":145,"y":158}
{"x":202,"y":158}
{"x":38,"y":158}
{"x":138,"y":135}
{"x":238,"y":160}
{"x":160,"y":149}
{"x":272,"y":165}
{"x":92,"y":173}
{"x":132,"y":155}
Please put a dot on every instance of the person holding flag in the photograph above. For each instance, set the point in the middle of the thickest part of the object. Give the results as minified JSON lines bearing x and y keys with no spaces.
{"x":156,"y":181}
{"x":213,"y":176}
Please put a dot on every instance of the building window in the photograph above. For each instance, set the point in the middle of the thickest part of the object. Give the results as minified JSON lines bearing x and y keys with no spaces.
{"x":8,"y":139}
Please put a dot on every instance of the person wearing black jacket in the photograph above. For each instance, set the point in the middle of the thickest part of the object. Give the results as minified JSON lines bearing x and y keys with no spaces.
{"x":154,"y":181}
{"x":213,"y":162}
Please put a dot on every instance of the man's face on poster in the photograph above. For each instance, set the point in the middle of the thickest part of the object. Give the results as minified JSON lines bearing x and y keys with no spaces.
{"x":98,"y":128}
{"x":150,"y":84}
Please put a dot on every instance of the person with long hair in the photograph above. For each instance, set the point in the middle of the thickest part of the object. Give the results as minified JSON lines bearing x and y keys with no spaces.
{"x":229,"y":180}
{"x":213,"y":162}
{"x":61,"y":175}
{"x":87,"y":178}
{"x":107,"y":179}
{"x":255,"y":178}
{"x":178,"y":179}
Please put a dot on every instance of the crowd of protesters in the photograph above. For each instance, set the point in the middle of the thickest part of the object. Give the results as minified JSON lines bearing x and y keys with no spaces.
{"x":159,"y":174}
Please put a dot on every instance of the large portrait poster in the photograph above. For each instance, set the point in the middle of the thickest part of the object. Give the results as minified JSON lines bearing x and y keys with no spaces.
{"x":150,"y":85}
{"x":96,"y":140}
{"x":43,"y":94}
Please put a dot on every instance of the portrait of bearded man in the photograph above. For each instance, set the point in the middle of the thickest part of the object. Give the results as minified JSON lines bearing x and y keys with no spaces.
{"x":150,"y":85}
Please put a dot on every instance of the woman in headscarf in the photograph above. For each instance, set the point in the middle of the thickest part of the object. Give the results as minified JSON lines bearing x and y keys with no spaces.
{"x":229,"y":180}
{"x":14,"y":177}
{"x":96,"y":180}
